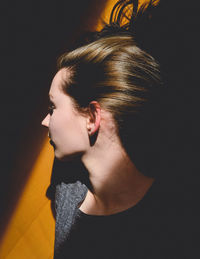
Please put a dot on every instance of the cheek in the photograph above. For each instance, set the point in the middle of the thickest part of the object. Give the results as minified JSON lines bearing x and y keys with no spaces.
{"x":52,"y":124}
{"x":56,"y":124}
{"x":68,"y":130}
{"x":74,"y":131}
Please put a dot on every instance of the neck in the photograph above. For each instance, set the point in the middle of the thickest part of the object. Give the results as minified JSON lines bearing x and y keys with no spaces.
{"x":117,"y":184}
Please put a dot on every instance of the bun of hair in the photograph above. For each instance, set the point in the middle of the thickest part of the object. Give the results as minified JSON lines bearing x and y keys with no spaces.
{"x":129,"y":18}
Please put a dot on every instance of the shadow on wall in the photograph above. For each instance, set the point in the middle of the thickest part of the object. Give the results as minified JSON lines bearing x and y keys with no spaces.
{"x":38,"y":32}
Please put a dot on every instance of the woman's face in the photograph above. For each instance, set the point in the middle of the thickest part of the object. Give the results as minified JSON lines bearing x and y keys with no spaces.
{"x":67,"y":128}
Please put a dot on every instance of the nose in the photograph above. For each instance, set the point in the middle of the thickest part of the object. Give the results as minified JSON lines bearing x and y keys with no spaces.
{"x":45,"y":121}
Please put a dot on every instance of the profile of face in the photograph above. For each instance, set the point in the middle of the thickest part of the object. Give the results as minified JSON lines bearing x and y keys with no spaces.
{"x":67,"y":128}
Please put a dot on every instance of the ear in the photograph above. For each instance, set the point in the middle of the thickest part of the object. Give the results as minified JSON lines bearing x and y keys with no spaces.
{"x":94,"y":117}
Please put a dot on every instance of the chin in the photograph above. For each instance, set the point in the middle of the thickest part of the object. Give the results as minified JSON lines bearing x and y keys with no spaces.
{"x":58,"y":155}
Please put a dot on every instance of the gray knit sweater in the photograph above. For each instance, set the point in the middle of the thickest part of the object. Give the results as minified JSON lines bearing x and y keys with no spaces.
{"x":67,"y":198}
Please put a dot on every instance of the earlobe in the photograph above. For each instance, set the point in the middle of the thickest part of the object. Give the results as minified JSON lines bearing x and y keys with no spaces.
{"x":94,"y":118}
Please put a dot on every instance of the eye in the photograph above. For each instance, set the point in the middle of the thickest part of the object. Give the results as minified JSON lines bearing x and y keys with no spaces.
{"x":51,"y":108}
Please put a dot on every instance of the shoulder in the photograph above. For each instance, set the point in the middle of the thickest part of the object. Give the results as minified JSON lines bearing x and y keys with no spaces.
{"x":67,"y":198}
{"x":69,"y":194}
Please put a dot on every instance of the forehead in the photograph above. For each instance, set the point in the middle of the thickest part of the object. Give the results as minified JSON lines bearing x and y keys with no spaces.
{"x":61,"y":78}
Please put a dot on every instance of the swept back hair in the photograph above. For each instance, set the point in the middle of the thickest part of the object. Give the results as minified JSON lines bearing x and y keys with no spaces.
{"x":113,"y":70}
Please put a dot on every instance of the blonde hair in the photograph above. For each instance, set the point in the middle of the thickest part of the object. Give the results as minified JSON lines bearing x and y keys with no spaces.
{"x":125,"y":81}
{"x":114,"y":72}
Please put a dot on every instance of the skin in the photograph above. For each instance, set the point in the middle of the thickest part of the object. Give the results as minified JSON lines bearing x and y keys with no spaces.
{"x":66,"y":126}
{"x":117,"y":183}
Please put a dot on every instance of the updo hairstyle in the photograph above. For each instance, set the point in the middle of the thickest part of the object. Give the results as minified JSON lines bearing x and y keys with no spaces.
{"x":125,"y":80}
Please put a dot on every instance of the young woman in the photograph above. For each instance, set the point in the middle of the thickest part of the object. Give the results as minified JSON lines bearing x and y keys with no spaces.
{"x":105,"y":103}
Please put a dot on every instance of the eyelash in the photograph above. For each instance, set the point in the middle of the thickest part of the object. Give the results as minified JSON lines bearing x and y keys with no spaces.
{"x":51,"y":108}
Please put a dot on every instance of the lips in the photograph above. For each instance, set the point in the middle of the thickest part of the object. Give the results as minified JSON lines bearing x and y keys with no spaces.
{"x":52,"y":143}
{"x":50,"y":140}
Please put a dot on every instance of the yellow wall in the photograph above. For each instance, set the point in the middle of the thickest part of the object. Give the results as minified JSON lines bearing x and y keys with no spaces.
{"x":30,"y":233}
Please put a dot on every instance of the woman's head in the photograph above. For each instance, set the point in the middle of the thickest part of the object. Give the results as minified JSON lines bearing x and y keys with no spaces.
{"x":122,"y":78}
{"x":72,"y":132}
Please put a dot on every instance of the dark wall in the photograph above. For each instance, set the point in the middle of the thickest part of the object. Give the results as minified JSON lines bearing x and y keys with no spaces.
{"x":33,"y":35}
